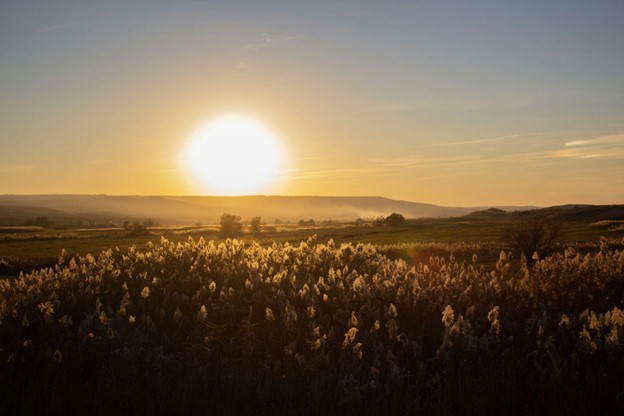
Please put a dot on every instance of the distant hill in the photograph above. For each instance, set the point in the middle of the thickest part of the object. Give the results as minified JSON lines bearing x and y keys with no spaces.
{"x":582,"y":213}
{"x":565,"y":213}
{"x":67,"y":209}
{"x":488,"y":213}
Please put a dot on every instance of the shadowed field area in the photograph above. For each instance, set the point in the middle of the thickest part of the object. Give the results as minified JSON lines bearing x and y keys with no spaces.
{"x":313,"y":328}
{"x":30,"y":249}
{"x":437,"y":316}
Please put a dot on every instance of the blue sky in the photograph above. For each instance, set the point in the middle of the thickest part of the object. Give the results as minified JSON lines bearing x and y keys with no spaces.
{"x":456,"y":103}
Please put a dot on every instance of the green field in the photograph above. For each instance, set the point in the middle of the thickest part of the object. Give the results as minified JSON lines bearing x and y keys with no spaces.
{"x":315,"y":328}
{"x":430,"y":307}
{"x":23,"y":252}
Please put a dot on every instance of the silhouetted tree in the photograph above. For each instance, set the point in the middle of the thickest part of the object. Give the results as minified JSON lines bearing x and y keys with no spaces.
{"x":392,"y":220}
{"x":230,"y":226}
{"x":255,"y":225}
{"x":533,"y":236}
{"x":137,"y":227}
{"x":44,"y":222}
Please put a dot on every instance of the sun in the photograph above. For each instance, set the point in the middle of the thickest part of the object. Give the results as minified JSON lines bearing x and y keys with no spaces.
{"x":233,"y":155}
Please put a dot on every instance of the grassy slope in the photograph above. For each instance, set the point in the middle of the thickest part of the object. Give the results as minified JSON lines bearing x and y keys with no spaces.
{"x":43,"y":250}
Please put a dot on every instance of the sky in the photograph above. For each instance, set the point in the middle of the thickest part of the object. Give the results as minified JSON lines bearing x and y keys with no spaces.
{"x":454,"y":103}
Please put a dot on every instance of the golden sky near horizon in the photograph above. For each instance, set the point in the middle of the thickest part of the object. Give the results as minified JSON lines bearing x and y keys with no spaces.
{"x":457,"y":104}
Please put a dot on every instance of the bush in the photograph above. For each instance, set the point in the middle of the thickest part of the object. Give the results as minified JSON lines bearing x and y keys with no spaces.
{"x":392,"y":220}
{"x":44,"y":222}
{"x":255,"y":225}
{"x":137,"y":227}
{"x":536,"y":236}
{"x":230,"y":226}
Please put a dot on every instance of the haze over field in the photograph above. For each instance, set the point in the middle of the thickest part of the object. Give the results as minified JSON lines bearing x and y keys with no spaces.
{"x":17,"y":209}
{"x":451,"y":103}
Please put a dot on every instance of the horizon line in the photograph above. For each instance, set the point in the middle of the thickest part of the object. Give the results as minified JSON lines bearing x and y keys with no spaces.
{"x":525,"y":205}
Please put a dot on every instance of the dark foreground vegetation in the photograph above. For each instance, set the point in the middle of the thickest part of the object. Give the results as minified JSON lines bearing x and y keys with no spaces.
{"x":205,"y":328}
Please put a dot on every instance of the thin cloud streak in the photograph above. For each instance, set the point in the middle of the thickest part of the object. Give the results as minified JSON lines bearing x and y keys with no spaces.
{"x":399,"y":165}
{"x":613,"y":138}
{"x":243,"y":64}
{"x":606,"y":146}
{"x":396,"y":167}
{"x":425,"y":161}
{"x":610,"y":153}
{"x":335,"y":172}
{"x":268,"y":41}
{"x":399,"y":108}
{"x":486,"y":140}
{"x":265,"y":42}
{"x":426,"y":168}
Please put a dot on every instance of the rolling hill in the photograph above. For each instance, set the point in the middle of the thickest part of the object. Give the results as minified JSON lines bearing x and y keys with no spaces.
{"x":68,"y":209}
{"x":562,"y":213}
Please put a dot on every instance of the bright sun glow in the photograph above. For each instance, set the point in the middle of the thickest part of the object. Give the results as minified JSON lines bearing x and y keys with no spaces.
{"x":233,"y":155}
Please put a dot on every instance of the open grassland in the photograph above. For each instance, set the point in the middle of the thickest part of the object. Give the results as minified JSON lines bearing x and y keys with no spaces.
{"x":23,"y":252}
{"x":199,"y":327}
{"x":436,"y":316}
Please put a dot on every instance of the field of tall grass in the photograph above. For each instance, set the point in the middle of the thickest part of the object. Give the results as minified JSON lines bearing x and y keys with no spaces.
{"x":314,"y":328}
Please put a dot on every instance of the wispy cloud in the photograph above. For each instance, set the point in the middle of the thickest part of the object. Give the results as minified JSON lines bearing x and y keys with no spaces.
{"x":609,"y":153}
{"x":424,"y":167}
{"x":243,"y":64}
{"x":426,"y":161}
{"x":267,"y":42}
{"x":386,"y":167}
{"x":333,"y":173}
{"x":399,"y":107}
{"x":599,"y":140}
{"x":606,"y":146}
{"x":450,"y":162}
{"x":263,"y":42}
{"x":496,"y":139}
